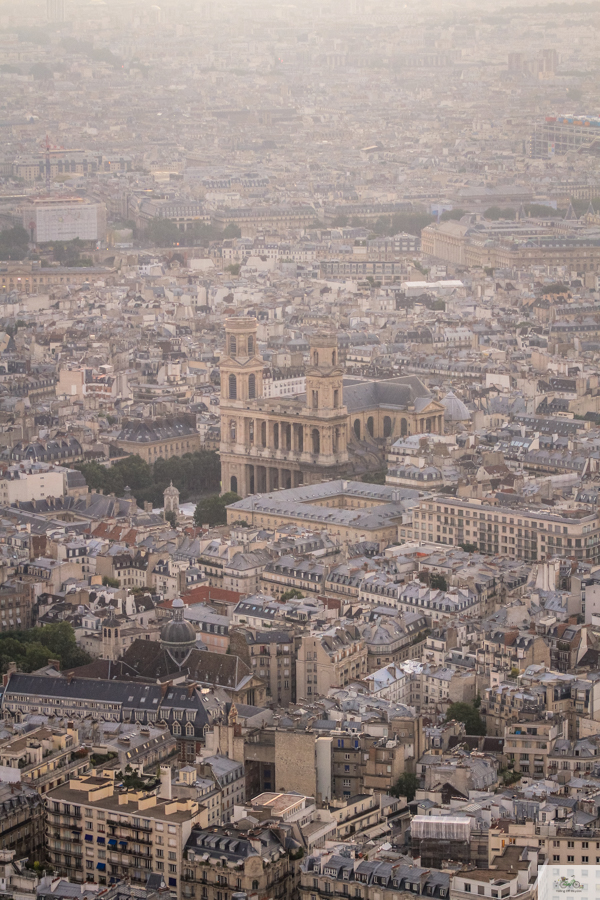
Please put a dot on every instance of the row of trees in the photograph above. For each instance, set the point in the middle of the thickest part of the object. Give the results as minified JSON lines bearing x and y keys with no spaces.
{"x":213,"y":510}
{"x":192,"y":474}
{"x":14,"y":243}
{"x":33,"y":648}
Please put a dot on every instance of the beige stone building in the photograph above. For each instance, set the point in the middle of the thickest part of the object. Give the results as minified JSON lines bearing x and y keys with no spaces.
{"x":350,"y":510}
{"x":97,"y":831}
{"x":518,"y":533}
{"x":466,"y":245}
{"x":334,"y":657}
{"x":331,"y":430}
{"x":154,"y":439}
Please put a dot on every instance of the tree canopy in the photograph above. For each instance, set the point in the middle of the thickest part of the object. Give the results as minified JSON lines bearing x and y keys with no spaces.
{"x":33,"y":648}
{"x":406,"y":786}
{"x":467,"y":713}
{"x":192,"y":474}
{"x":14,"y":243}
{"x":166,"y":233}
{"x":213,"y":510}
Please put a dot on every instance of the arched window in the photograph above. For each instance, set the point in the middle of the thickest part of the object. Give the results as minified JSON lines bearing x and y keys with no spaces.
{"x":387,"y":426}
{"x":357,"y":428}
{"x":255,"y":885}
{"x":336,"y":439}
{"x":108,"y":632}
{"x":116,"y":632}
{"x":370,"y":425}
{"x":316,"y":441}
{"x":252,"y":386}
{"x":250,"y":345}
{"x":232,"y":387}
{"x":333,"y":357}
{"x":276,"y":435}
{"x":403,"y":427}
{"x":232,"y":345}
{"x":232,"y":430}
{"x":316,"y":357}
{"x":336,"y":399}
{"x":263,"y":433}
{"x":233,"y":484}
{"x":428,"y":426}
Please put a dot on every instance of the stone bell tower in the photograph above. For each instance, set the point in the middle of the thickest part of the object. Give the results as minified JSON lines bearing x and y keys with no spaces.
{"x":241,"y":371}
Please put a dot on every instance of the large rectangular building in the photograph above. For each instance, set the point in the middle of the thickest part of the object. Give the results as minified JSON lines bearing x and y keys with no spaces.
{"x":50,"y":219}
{"x":515,"y":532}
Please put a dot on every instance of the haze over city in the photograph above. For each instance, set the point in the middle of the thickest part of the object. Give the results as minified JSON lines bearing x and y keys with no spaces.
{"x":299,"y":450}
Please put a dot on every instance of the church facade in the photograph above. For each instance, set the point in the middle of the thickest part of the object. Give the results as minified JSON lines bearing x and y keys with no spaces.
{"x":339,"y":427}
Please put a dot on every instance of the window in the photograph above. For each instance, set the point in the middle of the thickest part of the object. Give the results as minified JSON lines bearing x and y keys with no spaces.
{"x":232,"y":345}
{"x":467,"y":887}
{"x":232,"y":387}
{"x":252,"y":386}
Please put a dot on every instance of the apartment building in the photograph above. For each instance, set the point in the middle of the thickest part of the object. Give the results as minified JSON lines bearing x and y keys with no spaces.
{"x":514,"y":532}
{"x":528,"y":745}
{"x":21,"y":820}
{"x":45,"y":757}
{"x":504,"y":651}
{"x":329,"y":874}
{"x":229,"y":775}
{"x":255,"y":867}
{"x":271,"y":655}
{"x":391,"y":640}
{"x":16,"y":606}
{"x":334,"y":657}
{"x":99,"y":832}
{"x":513,"y":874}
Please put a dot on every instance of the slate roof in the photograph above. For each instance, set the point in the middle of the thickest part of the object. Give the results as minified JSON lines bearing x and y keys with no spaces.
{"x":396,"y":392}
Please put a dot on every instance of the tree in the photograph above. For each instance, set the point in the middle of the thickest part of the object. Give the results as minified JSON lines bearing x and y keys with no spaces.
{"x":467,"y":713}
{"x":467,"y":547}
{"x":107,"y":581}
{"x":453,"y":214}
{"x":31,"y":649}
{"x":40,"y":71}
{"x":406,"y":786}
{"x":171,"y":518}
{"x":438,"y":582}
{"x":14,"y":243}
{"x":234,"y":268}
{"x":497,"y":212}
{"x":292,"y":594}
{"x":213,"y":510}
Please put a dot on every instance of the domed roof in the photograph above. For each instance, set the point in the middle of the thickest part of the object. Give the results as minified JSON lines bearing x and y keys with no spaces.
{"x":456,"y":411}
{"x":178,"y":633}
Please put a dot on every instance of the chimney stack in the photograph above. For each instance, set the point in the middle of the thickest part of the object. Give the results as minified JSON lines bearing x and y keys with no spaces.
{"x":165,"y":791}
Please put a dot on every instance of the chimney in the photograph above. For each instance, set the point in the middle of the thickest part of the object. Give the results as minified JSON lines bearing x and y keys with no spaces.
{"x":165,"y":783}
{"x":12,"y":667}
